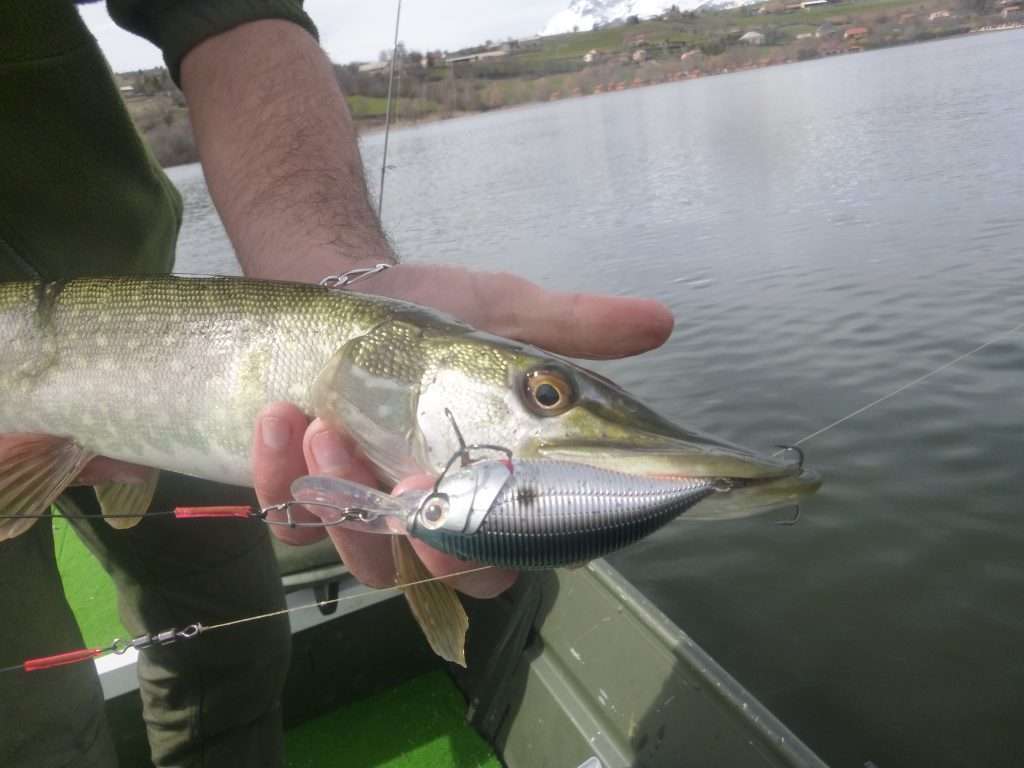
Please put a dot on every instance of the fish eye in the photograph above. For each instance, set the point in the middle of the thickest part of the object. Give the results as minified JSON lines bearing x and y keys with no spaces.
{"x":435,"y":512}
{"x":549,"y":392}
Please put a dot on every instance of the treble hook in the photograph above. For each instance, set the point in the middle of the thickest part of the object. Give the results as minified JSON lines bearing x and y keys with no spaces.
{"x":458,"y":433}
{"x":464,"y":451}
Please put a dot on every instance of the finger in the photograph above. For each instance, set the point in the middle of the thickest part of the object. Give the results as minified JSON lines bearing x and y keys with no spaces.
{"x":574,"y":324}
{"x":481,"y":583}
{"x":277,"y":460}
{"x":367,"y":555}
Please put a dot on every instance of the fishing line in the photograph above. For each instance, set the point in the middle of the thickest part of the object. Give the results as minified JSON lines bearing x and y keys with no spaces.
{"x":387,"y":112}
{"x":336,"y":600}
{"x":904,"y":387}
{"x":170,"y":636}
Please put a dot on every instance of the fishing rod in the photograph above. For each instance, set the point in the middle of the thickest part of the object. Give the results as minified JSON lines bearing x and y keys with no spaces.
{"x":387,"y":112}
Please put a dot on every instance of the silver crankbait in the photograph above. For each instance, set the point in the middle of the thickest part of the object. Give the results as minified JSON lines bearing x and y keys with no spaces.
{"x":529,"y":513}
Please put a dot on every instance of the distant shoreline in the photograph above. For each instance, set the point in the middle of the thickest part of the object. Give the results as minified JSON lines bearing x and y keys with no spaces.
{"x":163,"y":121}
{"x":372,"y":127}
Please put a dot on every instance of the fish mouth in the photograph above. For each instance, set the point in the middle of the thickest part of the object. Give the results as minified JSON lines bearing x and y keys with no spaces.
{"x":611,"y":430}
{"x":692,"y":455}
{"x":746,"y":481}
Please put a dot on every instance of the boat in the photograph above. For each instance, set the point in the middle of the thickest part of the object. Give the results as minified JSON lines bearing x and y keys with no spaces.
{"x":569,"y":669}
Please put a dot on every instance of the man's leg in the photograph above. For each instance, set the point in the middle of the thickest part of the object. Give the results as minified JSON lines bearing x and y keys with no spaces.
{"x":52,"y":718}
{"x":213,"y":700}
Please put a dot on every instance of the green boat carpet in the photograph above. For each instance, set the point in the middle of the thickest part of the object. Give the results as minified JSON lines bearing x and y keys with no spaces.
{"x":416,"y":725}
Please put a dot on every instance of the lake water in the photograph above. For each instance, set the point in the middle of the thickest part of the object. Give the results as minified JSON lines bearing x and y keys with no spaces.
{"x":825,"y":232}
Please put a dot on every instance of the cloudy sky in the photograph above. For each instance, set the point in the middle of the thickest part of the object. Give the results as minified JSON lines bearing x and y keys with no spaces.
{"x":357,"y":30}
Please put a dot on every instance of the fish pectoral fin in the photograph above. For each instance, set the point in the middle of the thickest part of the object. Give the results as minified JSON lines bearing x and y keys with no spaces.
{"x":435,"y":605}
{"x":124,"y":504}
{"x":34,"y":471}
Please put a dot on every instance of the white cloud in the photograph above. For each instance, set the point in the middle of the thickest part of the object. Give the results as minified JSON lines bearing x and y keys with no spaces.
{"x":123,"y":50}
{"x":355,"y":30}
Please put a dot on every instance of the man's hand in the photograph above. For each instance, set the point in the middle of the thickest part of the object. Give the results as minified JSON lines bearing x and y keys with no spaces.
{"x":580,"y":325}
{"x":570,"y":324}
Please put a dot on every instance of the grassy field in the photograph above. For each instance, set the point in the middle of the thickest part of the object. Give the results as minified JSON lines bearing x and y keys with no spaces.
{"x":367,"y":106}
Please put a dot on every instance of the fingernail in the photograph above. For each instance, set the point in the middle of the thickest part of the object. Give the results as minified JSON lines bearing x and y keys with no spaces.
{"x":329,"y":451}
{"x":276,"y":433}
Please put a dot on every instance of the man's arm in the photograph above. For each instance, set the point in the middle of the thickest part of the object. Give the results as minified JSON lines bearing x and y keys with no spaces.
{"x":280,"y":154}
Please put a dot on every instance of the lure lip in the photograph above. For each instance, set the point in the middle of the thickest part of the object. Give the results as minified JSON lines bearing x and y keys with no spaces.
{"x":330,"y":498}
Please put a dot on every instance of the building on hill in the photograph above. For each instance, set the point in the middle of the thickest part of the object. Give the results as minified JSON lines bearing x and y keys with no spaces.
{"x":855,"y":33}
{"x":372,"y":67}
{"x":479,"y":56}
{"x":753,"y":37}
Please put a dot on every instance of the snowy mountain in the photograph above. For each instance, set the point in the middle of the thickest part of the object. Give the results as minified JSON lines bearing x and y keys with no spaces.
{"x":584,"y":14}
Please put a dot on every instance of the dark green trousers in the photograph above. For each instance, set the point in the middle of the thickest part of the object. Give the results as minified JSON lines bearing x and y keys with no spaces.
{"x":210,"y":701}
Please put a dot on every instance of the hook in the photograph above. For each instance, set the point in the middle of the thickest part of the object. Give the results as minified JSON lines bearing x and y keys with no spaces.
{"x":458,"y":432}
{"x":464,"y":450}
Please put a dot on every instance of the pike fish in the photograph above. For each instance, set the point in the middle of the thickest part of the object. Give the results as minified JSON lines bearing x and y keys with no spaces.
{"x":171,"y":372}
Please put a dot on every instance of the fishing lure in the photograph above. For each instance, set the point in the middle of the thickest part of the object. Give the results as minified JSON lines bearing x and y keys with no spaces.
{"x":512,"y":513}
